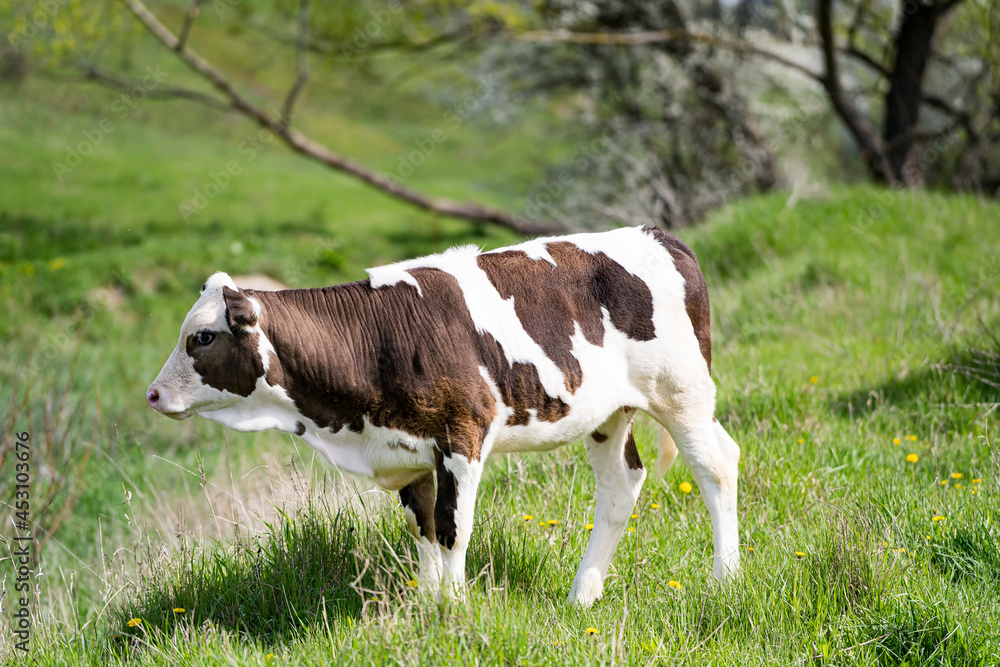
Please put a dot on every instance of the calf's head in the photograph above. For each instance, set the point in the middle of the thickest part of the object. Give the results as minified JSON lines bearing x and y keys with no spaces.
{"x":219,"y":356}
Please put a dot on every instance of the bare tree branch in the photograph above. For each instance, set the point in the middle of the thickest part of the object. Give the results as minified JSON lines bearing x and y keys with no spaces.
{"x":865,"y":135}
{"x":862,"y":131}
{"x":855,"y":52}
{"x":857,"y":21}
{"x":653,"y":37}
{"x":915,"y":134}
{"x":189,"y":17}
{"x":109,"y":80}
{"x":315,"y":151}
{"x":302,"y":64}
{"x":947,"y":6}
{"x":460,"y":38}
{"x":615,"y":38}
{"x":962,"y":118}
{"x":658,"y":36}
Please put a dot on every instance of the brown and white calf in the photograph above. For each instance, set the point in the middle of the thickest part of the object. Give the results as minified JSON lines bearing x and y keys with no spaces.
{"x":413,"y":377}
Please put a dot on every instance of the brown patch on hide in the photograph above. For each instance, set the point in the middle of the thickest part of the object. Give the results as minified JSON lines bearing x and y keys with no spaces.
{"x":446,"y":504}
{"x":519,"y":386}
{"x":695,"y":289}
{"x":229,"y":363}
{"x":350,"y":352}
{"x":418,"y":496}
{"x":550,"y":300}
{"x":632,"y":459}
{"x":598,"y":436}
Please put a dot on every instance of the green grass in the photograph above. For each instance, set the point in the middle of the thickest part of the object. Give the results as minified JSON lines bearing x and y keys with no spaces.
{"x":879,"y":583}
{"x":838,"y":328}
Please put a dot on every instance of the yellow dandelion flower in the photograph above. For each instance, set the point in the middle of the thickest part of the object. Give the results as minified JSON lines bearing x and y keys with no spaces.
{"x":911,"y":438}
{"x":685,"y":487}
{"x":944,"y":482}
{"x":750,"y":549}
{"x":179,"y":610}
{"x":552,"y":522}
{"x":912,"y":458}
{"x":528,"y":517}
{"x":896,"y":441}
{"x":654,"y":506}
{"x":814,"y":379}
{"x":959,"y":487}
{"x":589,"y":526}
{"x":591,"y":631}
{"x":555,"y":643}
{"x":978,"y":480}
{"x":972,"y":492}
{"x":674,"y":584}
{"x":956,"y":475}
{"x":135,"y":622}
{"x":57,"y":264}
{"x":631,"y":529}
{"x":635,"y":516}
{"x":937,"y":517}
{"x":901,"y":550}
{"x":800,"y":554}
{"x":802,"y":440}
{"x":412,"y":583}
{"x":542,"y":524}
{"x":269,"y":656}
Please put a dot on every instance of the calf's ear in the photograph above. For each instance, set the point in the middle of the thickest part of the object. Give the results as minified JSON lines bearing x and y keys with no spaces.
{"x":240,"y":311}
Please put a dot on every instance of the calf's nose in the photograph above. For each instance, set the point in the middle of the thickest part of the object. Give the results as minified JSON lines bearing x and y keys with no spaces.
{"x":153,"y":398}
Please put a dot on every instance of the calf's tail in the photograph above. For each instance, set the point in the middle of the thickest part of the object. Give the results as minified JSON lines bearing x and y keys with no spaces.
{"x":668,"y":453}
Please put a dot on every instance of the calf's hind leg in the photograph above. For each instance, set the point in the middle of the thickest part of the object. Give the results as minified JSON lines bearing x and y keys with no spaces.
{"x":619,"y":475}
{"x":713,"y":457}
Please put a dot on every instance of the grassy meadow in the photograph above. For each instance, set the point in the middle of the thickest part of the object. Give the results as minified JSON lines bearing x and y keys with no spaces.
{"x":856,"y":357}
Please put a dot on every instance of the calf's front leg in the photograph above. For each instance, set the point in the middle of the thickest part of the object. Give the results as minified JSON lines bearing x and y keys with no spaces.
{"x":418,"y":505}
{"x":457,"y":483}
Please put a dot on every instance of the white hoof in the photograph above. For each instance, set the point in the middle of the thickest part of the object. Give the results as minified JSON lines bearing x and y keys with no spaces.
{"x":429,"y":579}
{"x":453,"y":592}
{"x":588,"y":587}
{"x":727,"y":568}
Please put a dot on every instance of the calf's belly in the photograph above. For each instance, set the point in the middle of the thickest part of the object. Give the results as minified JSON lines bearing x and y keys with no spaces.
{"x":589,"y":408}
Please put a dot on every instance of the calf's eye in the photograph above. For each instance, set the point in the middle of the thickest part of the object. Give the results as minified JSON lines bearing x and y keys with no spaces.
{"x":204,"y":337}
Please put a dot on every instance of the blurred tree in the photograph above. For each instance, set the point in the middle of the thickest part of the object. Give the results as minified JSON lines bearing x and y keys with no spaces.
{"x":670,"y":92}
{"x":929,"y":68}
{"x":941,"y":83}
{"x":57,"y":32}
{"x":890,"y":155}
{"x":684,"y":137}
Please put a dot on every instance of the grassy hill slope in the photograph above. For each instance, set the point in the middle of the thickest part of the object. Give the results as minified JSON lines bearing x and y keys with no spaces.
{"x":837,"y":344}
